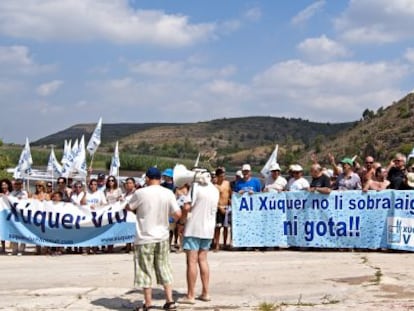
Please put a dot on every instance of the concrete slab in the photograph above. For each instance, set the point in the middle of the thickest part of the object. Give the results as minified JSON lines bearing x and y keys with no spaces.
{"x":240,"y":280}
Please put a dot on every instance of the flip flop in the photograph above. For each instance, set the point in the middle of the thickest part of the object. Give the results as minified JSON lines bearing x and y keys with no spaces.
{"x":187,"y":301}
{"x":204,"y":298}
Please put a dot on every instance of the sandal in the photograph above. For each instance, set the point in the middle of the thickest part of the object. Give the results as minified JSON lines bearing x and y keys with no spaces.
{"x":170,"y":306}
{"x":204,"y":298}
{"x":187,"y":301}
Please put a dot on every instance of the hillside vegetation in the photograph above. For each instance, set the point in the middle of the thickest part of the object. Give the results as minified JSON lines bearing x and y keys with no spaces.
{"x":233,"y":141}
{"x":227,"y":142}
{"x":380,"y":134}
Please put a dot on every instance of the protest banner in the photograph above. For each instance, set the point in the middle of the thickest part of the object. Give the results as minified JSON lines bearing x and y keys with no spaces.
{"x":348,"y":219}
{"x":49,"y":223}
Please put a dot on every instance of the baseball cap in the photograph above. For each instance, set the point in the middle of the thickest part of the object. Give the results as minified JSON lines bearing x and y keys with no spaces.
{"x":296,"y":168}
{"x":246,"y":167}
{"x":153,"y":173}
{"x":347,"y":161}
{"x":101,"y":176}
{"x":274,"y":167}
{"x":168,"y":172}
{"x":239,"y":173}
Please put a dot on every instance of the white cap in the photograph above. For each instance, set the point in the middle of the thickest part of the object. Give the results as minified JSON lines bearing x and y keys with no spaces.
{"x":239,"y":173}
{"x":274,"y":167}
{"x":296,"y":168}
{"x":246,"y":167}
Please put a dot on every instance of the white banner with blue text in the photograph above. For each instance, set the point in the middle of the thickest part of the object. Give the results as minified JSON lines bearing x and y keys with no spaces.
{"x":342,"y":219}
{"x":49,"y":223}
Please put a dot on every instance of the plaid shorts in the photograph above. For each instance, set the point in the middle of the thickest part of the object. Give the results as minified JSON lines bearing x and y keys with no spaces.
{"x":150,"y":258}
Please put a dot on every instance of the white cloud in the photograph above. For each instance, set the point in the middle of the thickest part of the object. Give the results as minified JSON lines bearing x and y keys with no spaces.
{"x":86,"y":20}
{"x":47,"y":89}
{"x":227,"y":89}
{"x":377,"y":21}
{"x":322,"y":49}
{"x":180,"y":70}
{"x":253,"y":14}
{"x":409,"y":55}
{"x":157,"y":68}
{"x":306,"y":14}
{"x":16,"y":59}
{"x":331,"y":92}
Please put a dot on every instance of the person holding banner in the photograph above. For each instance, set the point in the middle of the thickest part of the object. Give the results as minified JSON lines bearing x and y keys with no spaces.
{"x":63,"y":189}
{"x":153,"y":205}
{"x":277,"y":181}
{"x":5,"y":189}
{"x":348,"y":179}
{"x":396,"y":172}
{"x":78,"y":195}
{"x":41,"y":195}
{"x":20,"y":194}
{"x":129,"y":190}
{"x":247,"y":184}
{"x":378,"y":182}
{"x":320,"y":182}
{"x":297,"y":182}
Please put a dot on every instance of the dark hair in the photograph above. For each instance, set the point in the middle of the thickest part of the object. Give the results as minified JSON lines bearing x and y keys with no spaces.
{"x":111,"y":177}
{"x":9,"y":184}
{"x":130,"y":178}
{"x":219,"y":171}
{"x":61,"y":179}
{"x":378,"y":171}
{"x":92,"y":180}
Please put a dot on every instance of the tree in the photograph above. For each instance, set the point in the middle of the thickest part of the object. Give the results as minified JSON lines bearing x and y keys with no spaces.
{"x":368,"y":114}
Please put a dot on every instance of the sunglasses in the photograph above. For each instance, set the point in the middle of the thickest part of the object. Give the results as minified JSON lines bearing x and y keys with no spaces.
{"x":111,"y":180}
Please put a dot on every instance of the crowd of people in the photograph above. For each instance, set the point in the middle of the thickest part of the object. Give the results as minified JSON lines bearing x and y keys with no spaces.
{"x":195,"y":217}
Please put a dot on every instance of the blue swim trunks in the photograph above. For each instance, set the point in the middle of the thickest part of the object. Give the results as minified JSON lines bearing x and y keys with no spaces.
{"x":195,"y":244}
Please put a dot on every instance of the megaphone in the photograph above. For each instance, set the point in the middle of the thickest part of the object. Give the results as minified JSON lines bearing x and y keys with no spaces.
{"x":182,"y":176}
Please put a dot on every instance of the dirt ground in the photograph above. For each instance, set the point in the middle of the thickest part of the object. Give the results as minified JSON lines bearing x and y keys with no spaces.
{"x":282,"y":279}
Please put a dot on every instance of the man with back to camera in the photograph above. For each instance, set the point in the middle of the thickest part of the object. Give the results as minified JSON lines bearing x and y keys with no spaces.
{"x":200,"y":212}
{"x":153,"y":205}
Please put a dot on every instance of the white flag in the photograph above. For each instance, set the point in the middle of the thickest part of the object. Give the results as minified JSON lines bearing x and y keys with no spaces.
{"x":411,"y":155}
{"x":79,"y":163}
{"x":53,"y":166}
{"x":272,"y":160}
{"x":24,"y":167}
{"x":68,"y":165}
{"x":197,"y":160}
{"x":67,"y":147}
{"x":95,"y":139}
{"x":115,"y":162}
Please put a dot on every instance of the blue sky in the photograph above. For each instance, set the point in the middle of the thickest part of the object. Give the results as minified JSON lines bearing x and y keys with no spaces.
{"x":72,"y":61}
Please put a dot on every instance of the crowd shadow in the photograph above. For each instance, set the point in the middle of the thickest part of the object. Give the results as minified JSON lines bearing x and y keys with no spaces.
{"x":125,"y":303}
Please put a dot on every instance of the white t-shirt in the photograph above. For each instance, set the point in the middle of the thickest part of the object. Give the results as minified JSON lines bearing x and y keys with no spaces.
{"x":153,"y":205}
{"x":278,"y":184}
{"x":202,"y":219}
{"x":96,"y":198}
{"x":298,"y":184}
{"x":76,"y":198}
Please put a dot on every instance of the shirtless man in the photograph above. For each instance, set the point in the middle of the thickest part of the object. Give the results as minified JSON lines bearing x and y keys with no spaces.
{"x":224,"y":208}
{"x":378,"y":183}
